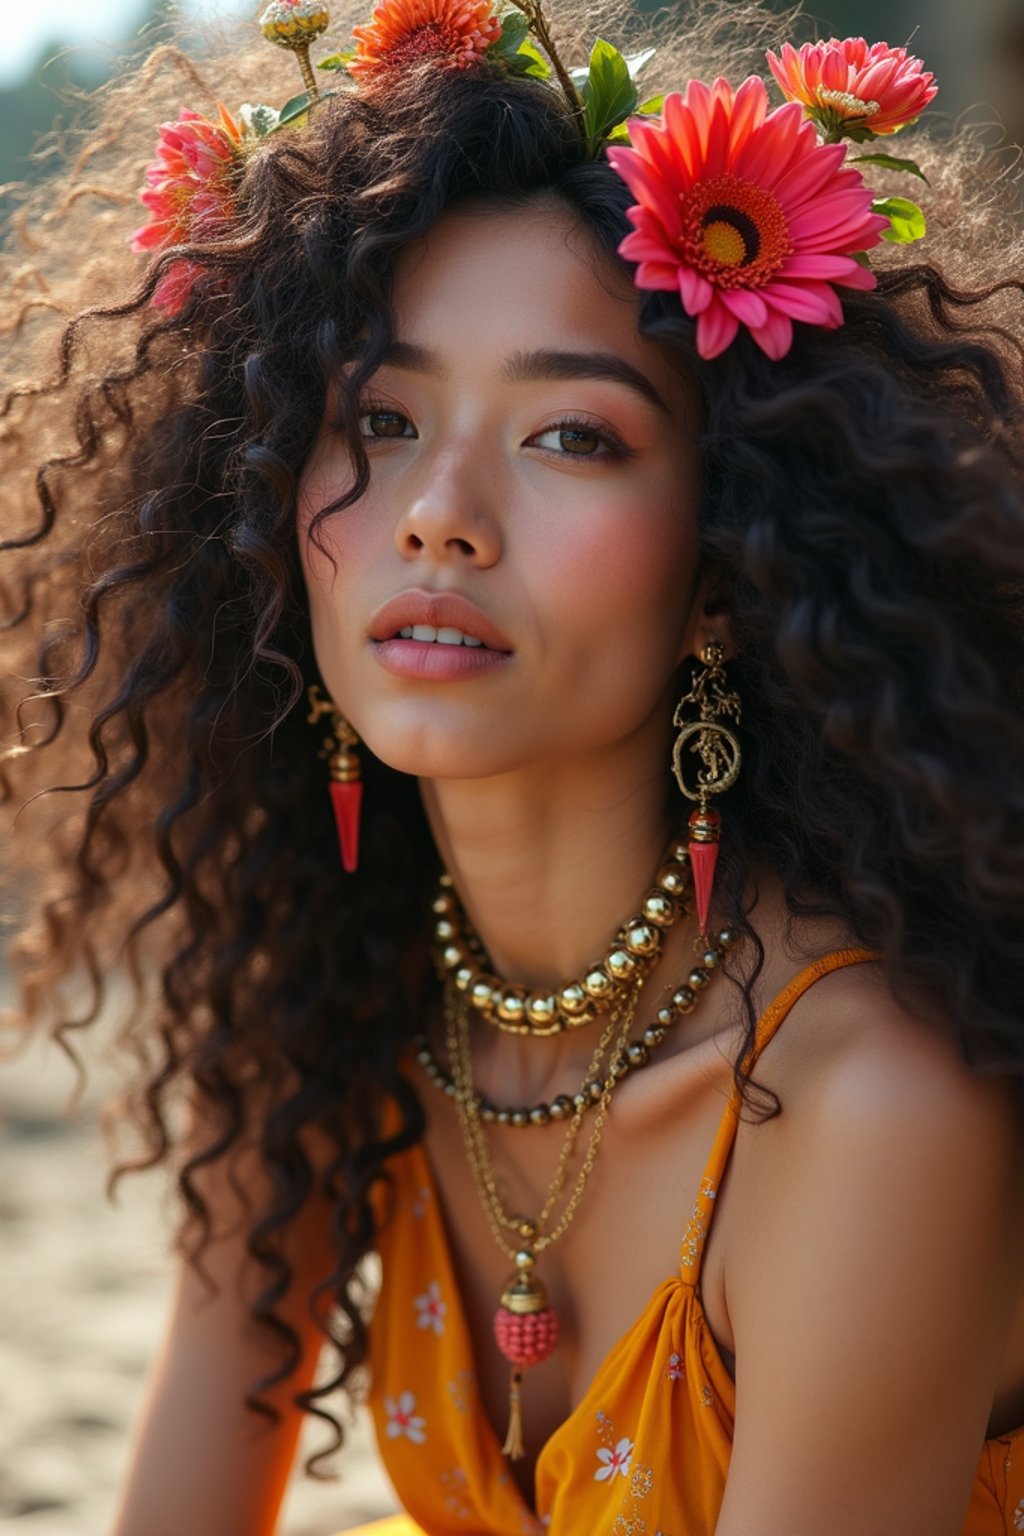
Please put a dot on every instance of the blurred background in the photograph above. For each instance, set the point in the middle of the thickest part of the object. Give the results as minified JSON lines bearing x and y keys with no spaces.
{"x":84,"y":1285}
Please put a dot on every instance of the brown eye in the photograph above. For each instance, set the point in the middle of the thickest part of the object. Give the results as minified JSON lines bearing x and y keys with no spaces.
{"x":578,"y":440}
{"x":384,"y":424}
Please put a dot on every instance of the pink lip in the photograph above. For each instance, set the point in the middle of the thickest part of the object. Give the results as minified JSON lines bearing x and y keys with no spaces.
{"x":444,"y":610}
{"x":430,"y":661}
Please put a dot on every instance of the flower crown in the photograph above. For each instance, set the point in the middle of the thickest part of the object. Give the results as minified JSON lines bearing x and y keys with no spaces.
{"x":753,"y":215}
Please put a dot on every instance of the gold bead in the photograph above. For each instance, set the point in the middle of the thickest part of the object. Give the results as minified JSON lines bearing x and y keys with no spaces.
{"x":540,"y":1114}
{"x":711,"y":958}
{"x":726,"y":938}
{"x":638,"y":1053}
{"x":520,"y":1117}
{"x":424,"y":1058}
{"x":595,"y":1088}
{"x":679,"y":852}
{"x":653,"y":1035}
{"x":445,"y":930}
{"x":671,"y":878}
{"x":698,"y":978}
{"x":597,"y":984}
{"x":706,"y":827}
{"x":572,"y":999}
{"x":580,"y":1100}
{"x":561,"y":1108}
{"x":504,"y":1117}
{"x":510,"y":1004}
{"x":621,"y":964}
{"x":443,"y":905}
{"x":620,"y":1067}
{"x":525,"y":1258}
{"x":446,"y":882}
{"x":481,"y":993}
{"x":540,"y":1008}
{"x":666,"y":1016}
{"x":684,"y":1000}
{"x":643,"y":939}
{"x":660,"y":908}
{"x":463,"y":977}
{"x":453,"y":956}
{"x":488,"y":1113}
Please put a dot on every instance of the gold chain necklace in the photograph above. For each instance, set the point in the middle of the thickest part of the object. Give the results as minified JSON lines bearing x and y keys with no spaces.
{"x":526,"y":1327}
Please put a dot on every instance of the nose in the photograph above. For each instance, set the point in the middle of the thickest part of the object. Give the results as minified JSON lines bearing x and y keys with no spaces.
{"x":449,"y":517}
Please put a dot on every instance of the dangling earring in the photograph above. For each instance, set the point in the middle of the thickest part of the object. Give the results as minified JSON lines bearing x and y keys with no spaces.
{"x":346,"y":774}
{"x":719,"y":752}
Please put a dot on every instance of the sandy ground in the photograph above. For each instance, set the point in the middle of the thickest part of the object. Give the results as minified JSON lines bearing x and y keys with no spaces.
{"x":83,"y":1289}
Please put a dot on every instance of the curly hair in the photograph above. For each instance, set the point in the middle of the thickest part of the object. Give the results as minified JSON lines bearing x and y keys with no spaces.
{"x":861,"y":500}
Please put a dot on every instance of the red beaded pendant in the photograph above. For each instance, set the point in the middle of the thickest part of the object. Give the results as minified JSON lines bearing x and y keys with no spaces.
{"x":526,"y":1332}
{"x":347,"y":799}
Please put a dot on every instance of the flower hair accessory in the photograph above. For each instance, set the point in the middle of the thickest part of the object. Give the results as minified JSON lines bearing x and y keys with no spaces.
{"x":754,"y":216}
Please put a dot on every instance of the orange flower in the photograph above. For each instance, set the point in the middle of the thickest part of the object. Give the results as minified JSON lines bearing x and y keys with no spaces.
{"x":404,"y":31}
{"x":845,"y":84}
{"x":190,"y":192}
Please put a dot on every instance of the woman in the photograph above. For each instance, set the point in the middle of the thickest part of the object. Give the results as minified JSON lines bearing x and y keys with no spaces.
{"x":511,"y":484}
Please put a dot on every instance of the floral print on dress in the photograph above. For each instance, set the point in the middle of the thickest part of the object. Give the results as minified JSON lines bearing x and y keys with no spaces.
{"x":403,"y":1420}
{"x":419,"y":1205}
{"x":676,"y":1371}
{"x":431,"y":1309}
{"x":1018,"y":1517}
{"x":614,"y":1460}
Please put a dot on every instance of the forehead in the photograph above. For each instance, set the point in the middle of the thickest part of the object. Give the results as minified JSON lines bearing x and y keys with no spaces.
{"x":484,"y":284}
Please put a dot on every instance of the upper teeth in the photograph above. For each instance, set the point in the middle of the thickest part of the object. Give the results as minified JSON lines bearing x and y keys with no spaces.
{"x":446,"y":636}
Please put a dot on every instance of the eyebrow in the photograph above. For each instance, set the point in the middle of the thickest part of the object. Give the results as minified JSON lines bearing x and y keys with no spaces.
{"x":531,"y":367}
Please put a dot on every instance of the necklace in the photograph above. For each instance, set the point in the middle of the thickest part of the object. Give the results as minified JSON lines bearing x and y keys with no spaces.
{"x":525,"y":1327}
{"x":521,"y":1010}
{"x":634,"y":1055}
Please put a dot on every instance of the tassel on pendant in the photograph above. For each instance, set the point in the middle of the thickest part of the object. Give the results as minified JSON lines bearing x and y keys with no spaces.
{"x":705,"y":832}
{"x":526,"y":1332}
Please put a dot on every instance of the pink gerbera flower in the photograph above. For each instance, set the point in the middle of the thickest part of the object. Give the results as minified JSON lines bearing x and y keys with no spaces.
{"x":190,"y":192}
{"x":402,"y":32}
{"x":844,"y":84}
{"x":745,"y":214}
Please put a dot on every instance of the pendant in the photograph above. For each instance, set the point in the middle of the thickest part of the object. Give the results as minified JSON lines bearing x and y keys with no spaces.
{"x":526,"y":1331}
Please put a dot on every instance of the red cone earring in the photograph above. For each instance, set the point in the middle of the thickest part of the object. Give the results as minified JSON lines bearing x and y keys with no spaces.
{"x":346,"y":774}
{"x":719,"y":753}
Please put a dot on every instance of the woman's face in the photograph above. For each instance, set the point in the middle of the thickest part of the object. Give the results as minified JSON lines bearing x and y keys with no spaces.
{"x":533,"y":458}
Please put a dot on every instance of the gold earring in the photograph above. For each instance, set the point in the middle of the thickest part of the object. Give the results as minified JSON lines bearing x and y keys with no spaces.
{"x":719,"y":752}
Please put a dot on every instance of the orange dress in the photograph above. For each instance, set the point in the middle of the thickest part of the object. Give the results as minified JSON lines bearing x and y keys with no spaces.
{"x":646,"y":1451}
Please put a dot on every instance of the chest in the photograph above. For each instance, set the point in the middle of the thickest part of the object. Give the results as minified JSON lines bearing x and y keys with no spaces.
{"x":621,"y":1245}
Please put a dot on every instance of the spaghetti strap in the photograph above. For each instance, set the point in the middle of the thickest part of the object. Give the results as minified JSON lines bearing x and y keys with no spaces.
{"x":696,"y":1234}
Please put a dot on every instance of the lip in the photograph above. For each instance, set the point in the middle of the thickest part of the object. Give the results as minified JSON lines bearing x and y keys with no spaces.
{"x":440,"y":609}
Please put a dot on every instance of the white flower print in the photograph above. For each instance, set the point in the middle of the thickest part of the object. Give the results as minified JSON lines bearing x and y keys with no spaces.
{"x":419,"y":1207}
{"x":675,"y":1370}
{"x":403,"y":1421}
{"x":1018,"y":1517}
{"x":431,"y":1309}
{"x":614,"y":1461}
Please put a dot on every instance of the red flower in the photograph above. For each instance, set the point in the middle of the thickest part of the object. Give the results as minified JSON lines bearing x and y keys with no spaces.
{"x":190,"y":192}
{"x":402,"y":32}
{"x":844,"y":84}
{"x":745,"y":214}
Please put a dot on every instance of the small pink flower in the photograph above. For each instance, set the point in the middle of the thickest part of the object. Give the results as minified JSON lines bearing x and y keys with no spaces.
{"x":676,"y":1371}
{"x":431,"y":1308}
{"x":614,"y":1461}
{"x":403,"y":1420}
{"x":456,"y":33}
{"x":744,"y":214}
{"x":844,"y":84}
{"x":190,"y":192}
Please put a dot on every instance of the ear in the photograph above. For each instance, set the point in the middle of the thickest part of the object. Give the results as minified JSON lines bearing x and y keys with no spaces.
{"x":710,"y":618}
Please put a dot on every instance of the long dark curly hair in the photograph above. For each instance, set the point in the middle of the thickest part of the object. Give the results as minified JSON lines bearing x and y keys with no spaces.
{"x":861,"y":501}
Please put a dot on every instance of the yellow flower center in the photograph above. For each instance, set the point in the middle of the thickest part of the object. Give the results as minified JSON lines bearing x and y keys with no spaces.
{"x":724,"y":243}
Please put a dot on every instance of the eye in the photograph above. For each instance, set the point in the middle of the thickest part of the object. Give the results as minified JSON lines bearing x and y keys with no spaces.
{"x":382,"y":421}
{"x":579,"y":439}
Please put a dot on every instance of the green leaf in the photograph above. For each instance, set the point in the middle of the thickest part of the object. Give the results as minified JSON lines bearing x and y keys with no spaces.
{"x":258,"y":119}
{"x":528,"y":60}
{"x":652,"y":104}
{"x":296,"y":107}
{"x":619,"y":134}
{"x":514,"y":30}
{"x":609,"y":94}
{"x":635,"y":62}
{"x":891,"y":163}
{"x":906,"y":221}
{"x":861,"y":258}
{"x":338,"y":60}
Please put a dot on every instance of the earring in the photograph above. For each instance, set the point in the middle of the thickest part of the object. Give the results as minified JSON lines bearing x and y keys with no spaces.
{"x":346,"y":771}
{"x":719,"y":753}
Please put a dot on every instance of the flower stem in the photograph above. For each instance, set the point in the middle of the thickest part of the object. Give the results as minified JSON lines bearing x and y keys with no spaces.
{"x":308,"y":77}
{"x":539,"y":27}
